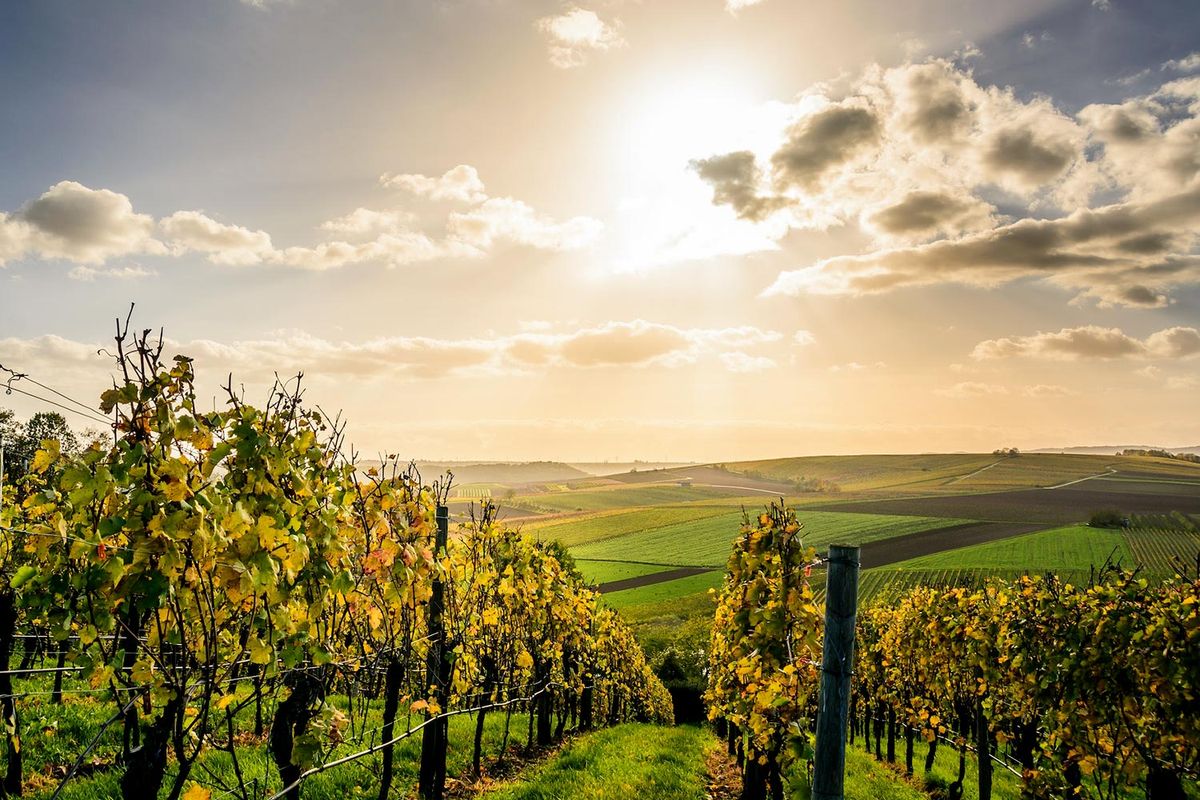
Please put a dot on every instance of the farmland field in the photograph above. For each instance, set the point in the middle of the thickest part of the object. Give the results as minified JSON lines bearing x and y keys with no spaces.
{"x":666,"y":591}
{"x":706,"y":542}
{"x":592,"y":528}
{"x":617,"y":497}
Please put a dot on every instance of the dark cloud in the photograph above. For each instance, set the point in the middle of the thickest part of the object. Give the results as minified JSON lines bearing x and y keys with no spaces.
{"x":936,"y":108}
{"x":1032,"y":159}
{"x":735,"y":179}
{"x":923,"y":212}
{"x":822,"y":141}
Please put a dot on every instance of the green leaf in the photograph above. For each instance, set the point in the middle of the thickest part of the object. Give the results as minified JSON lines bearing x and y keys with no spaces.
{"x":22,"y":576}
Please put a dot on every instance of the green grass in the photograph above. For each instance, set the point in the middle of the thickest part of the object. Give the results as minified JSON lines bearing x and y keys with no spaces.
{"x":628,"y":761}
{"x":605,"y":571}
{"x":601,"y":499}
{"x":867,"y":778}
{"x":598,"y":527}
{"x":53,"y":736}
{"x":707,"y":541}
{"x":1071,"y":548}
{"x":667,"y":590}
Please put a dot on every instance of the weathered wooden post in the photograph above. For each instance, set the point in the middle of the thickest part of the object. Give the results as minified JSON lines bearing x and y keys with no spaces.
{"x":837,"y":664}
{"x":431,"y":783}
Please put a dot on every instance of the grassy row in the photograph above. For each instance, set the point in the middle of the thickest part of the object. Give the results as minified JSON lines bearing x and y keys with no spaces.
{"x":52,"y":737}
{"x":706,"y":542}
{"x":594,"y":528}
{"x":627,"y":761}
{"x":622,"y":497}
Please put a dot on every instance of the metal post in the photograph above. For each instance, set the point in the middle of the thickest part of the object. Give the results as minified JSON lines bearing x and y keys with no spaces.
{"x":837,"y":664}
{"x":432,"y":778}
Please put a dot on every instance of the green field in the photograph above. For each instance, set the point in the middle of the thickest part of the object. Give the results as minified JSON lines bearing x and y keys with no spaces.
{"x":1075,"y":547}
{"x":666,"y":590}
{"x":706,"y":542}
{"x":605,"y":571}
{"x":597,"y":527}
{"x":620,"y":497}
{"x":627,"y":761}
{"x":1070,"y":552}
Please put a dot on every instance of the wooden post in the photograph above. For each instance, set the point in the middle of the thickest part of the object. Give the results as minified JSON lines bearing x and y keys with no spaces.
{"x":837,"y":664}
{"x":432,"y":779}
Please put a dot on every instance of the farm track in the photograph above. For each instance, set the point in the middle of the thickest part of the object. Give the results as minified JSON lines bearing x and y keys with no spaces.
{"x":913,"y":545}
{"x":651,"y":579}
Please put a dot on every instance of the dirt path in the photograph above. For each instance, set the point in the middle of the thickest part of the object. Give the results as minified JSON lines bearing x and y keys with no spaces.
{"x":652,"y":578}
{"x":902,"y":548}
{"x":1111,"y":471}
{"x":724,"y":778}
{"x":976,"y":472}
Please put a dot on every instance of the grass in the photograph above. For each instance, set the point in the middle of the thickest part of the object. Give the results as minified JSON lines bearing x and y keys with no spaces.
{"x":620,"y":497}
{"x":1074,"y":547}
{"x":867,"y":778}
{"x":627,"y":761}
{"x":53,"y":736}
{"x":598,"y":527}
{"x":707,"y":541}
{"x":667,"y":590}
{"x":605,"y":571}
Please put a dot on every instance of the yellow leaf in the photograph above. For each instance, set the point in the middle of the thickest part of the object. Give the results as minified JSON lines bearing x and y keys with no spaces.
{"x":197,"y":792}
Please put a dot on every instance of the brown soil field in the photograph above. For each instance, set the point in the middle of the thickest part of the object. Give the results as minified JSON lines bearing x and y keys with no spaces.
{"x":902,"y":548}
{"x":647,"y":580}
{"x":1063,"y":506}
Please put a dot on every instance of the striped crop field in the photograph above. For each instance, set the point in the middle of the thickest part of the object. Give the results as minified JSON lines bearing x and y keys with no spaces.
{"x":707,"y":541}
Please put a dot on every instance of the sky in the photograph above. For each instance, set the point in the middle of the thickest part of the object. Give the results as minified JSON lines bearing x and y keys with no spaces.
{"x":620,"y":229}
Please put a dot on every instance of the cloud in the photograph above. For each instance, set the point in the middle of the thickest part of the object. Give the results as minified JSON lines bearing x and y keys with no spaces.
{"x":971,"y":389}
{"x":503,"y":219}
{"x":1031,"y":40}
{"x":192,"y":231}
{"x":1046,"y":390}
{"x":1093,"y":342}
{"x":742,"y":362}
{"x":88,"y":274}
{"x":734,"y":6}
{"x":735,"y":179}
{"x":461,"y":184}
{"x":616,"y":344}
{"x":803,"y":338}
{"x":90,"y":226}
{"x":366,"y":221}
{"x":73,"y":222}
{"x":922,"y":214}
{"x":1123,"y":254}
{"x":824,"y":140}
{"x":1189,"y":63}
{"x":576,"y":33}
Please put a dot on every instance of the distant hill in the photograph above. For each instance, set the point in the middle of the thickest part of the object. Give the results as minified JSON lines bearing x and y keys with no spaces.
{"x":506,"y":473}
{"x":1113,"y":449}
{"x":615,"y":467}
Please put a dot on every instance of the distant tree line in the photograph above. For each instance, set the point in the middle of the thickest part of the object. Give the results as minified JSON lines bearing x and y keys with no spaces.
{"x":1192,"y":457}
{"x":22,"y":439}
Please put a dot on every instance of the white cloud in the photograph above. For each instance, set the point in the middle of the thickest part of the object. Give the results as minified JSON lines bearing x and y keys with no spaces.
{"x":576,"y":33}
{"x":1189,"y":63}
{"x":368,"y":221}
{"x":742,"y":362}
{"x":803,"y":338}
{"x":461,"y":184}
{"x":615,"y":344}
{"x":734,"y":6}
{"x":73,"y":222}
{"x":971,"y":389}
{"x":193,"y":231}
{"x":503,"y":219}
{"x":1046,"y":390}
{"x":1094,"y":342}
{"x":88,"y":274}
